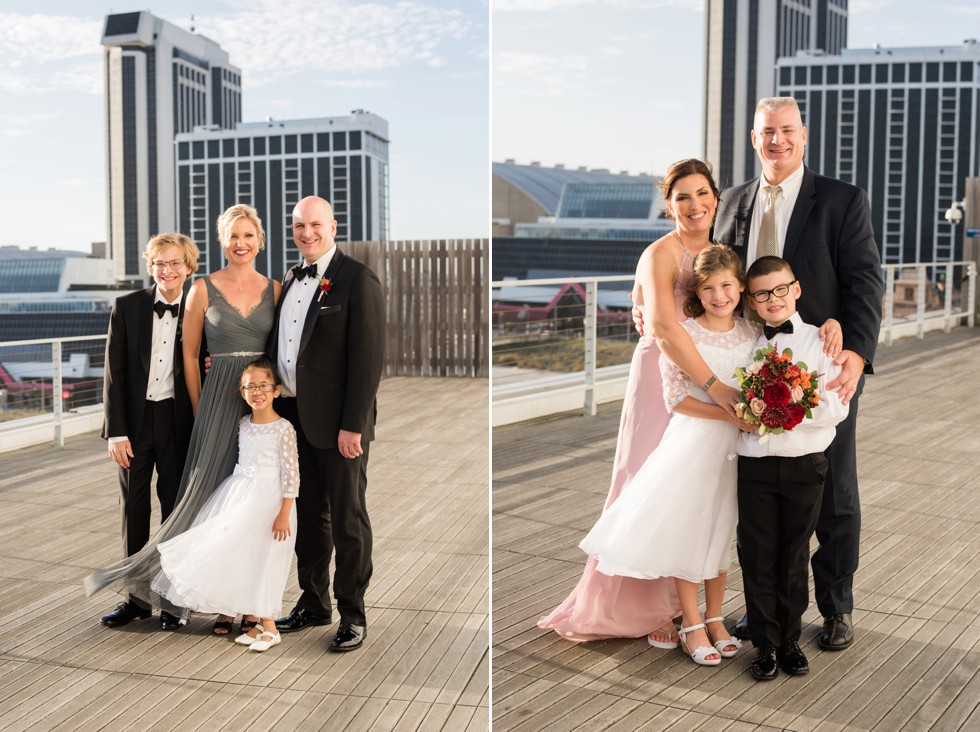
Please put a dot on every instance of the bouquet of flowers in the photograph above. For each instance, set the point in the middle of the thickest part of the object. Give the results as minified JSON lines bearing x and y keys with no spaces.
{"x":777,"y":394}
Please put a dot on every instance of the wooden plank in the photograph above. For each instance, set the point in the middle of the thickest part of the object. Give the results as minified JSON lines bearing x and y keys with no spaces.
{"x":914,"y":663}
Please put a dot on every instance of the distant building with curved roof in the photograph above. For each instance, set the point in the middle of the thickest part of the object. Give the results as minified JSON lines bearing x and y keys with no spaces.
{"x":563,"y":199}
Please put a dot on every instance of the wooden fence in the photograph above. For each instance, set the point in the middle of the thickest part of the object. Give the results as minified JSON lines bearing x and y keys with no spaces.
{"x":437,"y":297}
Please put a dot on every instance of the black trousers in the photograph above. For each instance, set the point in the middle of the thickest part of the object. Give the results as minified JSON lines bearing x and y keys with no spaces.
{"x":155,"y":448}
{"x":331,"y":513}
{"x":779,"y":501}
{"x":839,"y":525}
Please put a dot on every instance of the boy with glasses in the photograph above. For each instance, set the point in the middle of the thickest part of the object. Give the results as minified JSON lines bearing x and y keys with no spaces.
{"x":148,"y":416}
{"x":781,"y":482}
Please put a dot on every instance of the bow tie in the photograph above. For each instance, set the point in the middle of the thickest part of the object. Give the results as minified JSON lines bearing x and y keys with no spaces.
{"x":770,"y":331}
{"x":160,"y":308}
{"x":299,"y":271}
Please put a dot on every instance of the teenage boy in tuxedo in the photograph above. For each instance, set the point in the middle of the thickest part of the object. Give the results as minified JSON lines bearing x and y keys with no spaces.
{"x":148,"y":416}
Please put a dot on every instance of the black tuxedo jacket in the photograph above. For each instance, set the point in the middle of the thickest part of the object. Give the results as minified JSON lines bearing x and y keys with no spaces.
{"x":127,"y":370}
{"x":831,"y":247}
{"x":341,"y":353}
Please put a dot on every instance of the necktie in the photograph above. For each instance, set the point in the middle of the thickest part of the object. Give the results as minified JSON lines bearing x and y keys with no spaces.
{"x":771,"y":331}
{"x":160,"y":308}
{"x":299,"y":271}
{"x":767,"y":233}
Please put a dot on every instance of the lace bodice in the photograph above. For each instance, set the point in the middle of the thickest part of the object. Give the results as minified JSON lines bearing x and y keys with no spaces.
{"x":723,"y":352}
{"x":270,"y":449}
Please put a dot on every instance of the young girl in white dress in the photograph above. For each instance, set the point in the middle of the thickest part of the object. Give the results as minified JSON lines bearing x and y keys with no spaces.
{"x":676,"y":517}
{"x":251,"y":517}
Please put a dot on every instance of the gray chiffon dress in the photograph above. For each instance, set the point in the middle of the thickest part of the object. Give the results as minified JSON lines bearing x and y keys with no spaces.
{"x":233,"y":340}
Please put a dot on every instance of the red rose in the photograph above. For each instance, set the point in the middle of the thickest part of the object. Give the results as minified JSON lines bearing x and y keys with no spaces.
{"x":777,"y":394}
{"x":774,"y":416}
{"x":794,"y":415}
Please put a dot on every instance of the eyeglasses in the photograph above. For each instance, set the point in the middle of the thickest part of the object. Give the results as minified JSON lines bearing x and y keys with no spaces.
{"x":173,"y":264}
{"x":252,"y":388}
{"x":778,"y":291}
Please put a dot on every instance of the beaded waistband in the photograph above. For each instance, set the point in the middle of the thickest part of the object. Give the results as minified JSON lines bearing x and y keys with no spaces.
{"x":237,"y":353}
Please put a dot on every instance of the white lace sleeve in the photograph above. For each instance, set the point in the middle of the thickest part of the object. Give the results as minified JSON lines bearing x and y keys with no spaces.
{"x":288,"y":462}
{"x":677,"y":384}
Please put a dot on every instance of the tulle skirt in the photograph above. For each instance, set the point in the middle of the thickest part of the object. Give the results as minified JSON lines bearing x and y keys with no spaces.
{"x":228,"y":562}
{"x":677,"y":516}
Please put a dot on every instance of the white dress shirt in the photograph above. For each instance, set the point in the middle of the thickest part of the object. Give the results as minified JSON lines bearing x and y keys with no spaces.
{"x":786,"y":202}
{"x":810,"y":435}
{"x":292,"y":317}
{"x":160,"y":380}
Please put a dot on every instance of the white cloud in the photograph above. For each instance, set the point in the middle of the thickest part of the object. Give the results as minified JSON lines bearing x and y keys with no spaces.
{"x":335,"y":37}
{"x":42,"y":38}
{"x":354,"y":83}
{"x":964,"y":9}
{"x":866,"y":6}
{"x":549,"y":74}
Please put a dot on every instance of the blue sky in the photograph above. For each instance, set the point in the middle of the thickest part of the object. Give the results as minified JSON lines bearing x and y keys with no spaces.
{"x":420,"y":64}
{"x":618,"y":84}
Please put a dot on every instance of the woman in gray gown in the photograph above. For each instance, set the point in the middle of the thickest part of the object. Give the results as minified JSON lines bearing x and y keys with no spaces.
{"x":235,"y":309}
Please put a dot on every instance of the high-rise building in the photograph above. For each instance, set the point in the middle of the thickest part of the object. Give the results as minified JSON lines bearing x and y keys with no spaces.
{"x":743,"y":41}
{"x":160,"y":80}
{"x":272,"y":165}
{"x":901,"y":123}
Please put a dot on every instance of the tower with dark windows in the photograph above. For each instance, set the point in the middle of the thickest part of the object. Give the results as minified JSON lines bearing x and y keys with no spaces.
{"x":901,"y":123}
{"x":272,"y":165}
{"x":743,"y":41}
{"x":160,"y":80}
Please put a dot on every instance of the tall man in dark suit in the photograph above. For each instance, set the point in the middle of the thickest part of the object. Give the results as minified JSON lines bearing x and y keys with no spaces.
{"x":148,"y":416}
{"x":822,"y":227}
{"x":328,"y":343}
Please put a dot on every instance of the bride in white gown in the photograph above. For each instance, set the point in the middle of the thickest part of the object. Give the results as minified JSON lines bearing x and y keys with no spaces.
{"x":676,"y":517}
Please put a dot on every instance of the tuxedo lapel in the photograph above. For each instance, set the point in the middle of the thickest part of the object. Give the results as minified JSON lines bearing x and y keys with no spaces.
{"x":178,"y":346}
{"x":318,"y":302}
{"x":801,"y":211}
{"x":146,"y":316}
{"x":743,"y":216}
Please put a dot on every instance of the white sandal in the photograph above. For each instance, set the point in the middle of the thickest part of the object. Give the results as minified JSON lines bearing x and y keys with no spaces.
{"x":700,"y":654}
{"x":247,"y":640}
{"x":668,"y":645}
{"x":264,"y":645}
{"x":721,"y":644}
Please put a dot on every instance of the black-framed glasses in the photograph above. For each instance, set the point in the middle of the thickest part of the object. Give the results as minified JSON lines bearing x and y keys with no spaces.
{"x":173,"y":263}
{"x":252,"y":388}
{"x":778,"y":291}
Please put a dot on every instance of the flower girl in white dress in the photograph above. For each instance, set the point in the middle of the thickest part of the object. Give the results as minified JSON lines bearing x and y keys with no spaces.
{"x":676,"y":517}
{"x":251,"y":517}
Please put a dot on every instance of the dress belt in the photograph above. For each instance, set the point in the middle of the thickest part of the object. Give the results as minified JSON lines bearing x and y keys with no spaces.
{"x":237,"y":353}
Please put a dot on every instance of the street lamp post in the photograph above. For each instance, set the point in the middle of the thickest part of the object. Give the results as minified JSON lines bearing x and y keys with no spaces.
{"x":967,"y":212}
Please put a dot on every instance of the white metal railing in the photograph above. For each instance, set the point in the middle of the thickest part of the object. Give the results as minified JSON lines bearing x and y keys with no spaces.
{"x":41,"y":393}
{"x":918,"y":298}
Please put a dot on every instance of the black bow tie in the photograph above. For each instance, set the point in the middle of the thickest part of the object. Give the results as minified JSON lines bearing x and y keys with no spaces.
{"x":161,"y":308}
{"x":299,"y":271}
{"x":770,"y":331}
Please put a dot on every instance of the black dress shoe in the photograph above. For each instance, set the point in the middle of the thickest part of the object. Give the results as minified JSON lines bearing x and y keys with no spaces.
{"x":125,"y":613}
{"x":765,"y":667}
{"x":349,"y":637}
{"x":792,"y":660}
{"x":168,"y":621}
{"x":741,"y":629}
{"x":299,"y":619}
{"x":838,"y":633}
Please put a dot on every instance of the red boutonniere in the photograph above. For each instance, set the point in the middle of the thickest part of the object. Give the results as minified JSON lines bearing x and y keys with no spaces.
{"x":324,"y":288}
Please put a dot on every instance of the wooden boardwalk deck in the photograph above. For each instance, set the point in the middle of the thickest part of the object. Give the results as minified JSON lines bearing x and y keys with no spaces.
{"x":915,"y":663}
{"x":424,"y":665}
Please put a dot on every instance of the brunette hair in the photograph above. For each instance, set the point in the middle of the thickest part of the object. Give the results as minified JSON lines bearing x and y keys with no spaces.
{"x":713,"y":259}
{"x":265,"y":363}
{"x":239,"y":211}
{"x":161,"y":241}
{"x":682,"y":169}
{"x":767,"y":265}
